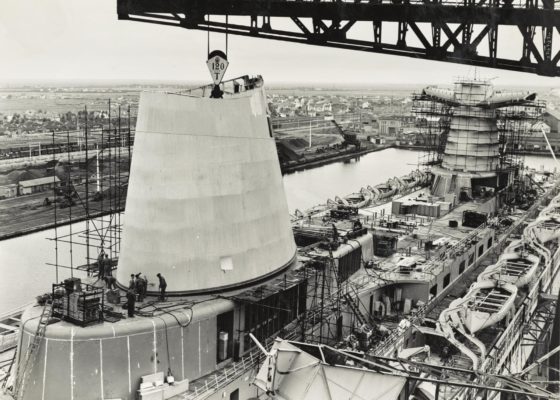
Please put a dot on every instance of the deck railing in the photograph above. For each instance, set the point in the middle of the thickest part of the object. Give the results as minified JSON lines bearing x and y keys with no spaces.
{"x":8,"y":341}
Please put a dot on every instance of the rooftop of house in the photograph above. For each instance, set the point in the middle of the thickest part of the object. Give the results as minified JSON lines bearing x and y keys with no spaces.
{"x":39,"y":181}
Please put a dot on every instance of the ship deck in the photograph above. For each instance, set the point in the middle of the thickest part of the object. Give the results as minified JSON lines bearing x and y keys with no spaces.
{"x":413,"y":231}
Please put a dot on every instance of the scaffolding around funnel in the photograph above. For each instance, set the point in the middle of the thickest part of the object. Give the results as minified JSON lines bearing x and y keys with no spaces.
{"x":88,"y":204}
{"x":516,"y":123}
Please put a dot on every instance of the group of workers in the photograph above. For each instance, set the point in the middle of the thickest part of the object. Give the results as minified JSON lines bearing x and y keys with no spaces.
{"x":138,"y":284}
{"x":104,"y":265}
{"x":105,"y":270}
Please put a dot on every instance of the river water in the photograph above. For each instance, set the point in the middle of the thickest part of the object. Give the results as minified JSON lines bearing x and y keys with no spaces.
{"x":23,"y":260}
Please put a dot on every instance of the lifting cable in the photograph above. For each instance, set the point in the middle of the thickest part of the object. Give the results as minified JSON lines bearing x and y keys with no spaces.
{"x":208,"y":34}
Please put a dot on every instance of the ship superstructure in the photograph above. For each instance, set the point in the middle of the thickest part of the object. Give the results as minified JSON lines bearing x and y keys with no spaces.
{"x":436,"y":287}
{"x":393,"y":271}
{"x":461,"y":324}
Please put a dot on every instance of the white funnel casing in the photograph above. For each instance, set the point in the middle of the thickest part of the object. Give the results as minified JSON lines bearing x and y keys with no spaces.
{"x":206,"y":206}
{"x":472,"y":148}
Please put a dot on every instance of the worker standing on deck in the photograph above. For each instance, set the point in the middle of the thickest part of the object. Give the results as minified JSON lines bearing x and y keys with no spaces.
{"x":140,"y":287}
{"x":162,"y":287}
{"x":101,"y":265}
{"x":132,"y":283}
{"x":111,"y":282}
{"x":131,"y":299}
{"x":108,"y":267}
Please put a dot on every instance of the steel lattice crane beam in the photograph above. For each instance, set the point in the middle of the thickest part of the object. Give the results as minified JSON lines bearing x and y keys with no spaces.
{"x":458,"y":31}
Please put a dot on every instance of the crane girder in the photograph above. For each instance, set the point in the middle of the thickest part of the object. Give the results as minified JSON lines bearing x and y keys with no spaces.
{"x":450,"y":31}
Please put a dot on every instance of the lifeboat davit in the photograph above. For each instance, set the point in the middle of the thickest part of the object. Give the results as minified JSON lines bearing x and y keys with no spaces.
{"x":374,"y":192}
{"x":331,"y":203}
{"x":519,"y":246}
{"x":553,"y":208}
{"x":423,"y":178}
{"x":341,"y":201}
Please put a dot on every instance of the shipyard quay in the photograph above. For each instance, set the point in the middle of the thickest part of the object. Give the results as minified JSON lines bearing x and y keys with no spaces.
{"x":282,"y":200}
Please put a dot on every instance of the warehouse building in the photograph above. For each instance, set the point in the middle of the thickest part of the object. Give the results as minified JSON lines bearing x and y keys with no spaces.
{"x":38,"y":185}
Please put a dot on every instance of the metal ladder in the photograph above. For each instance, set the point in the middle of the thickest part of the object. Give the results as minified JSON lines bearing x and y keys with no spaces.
{"x":355,"y":309}
{"x":31,"y":352}
{"x":6,"y":377}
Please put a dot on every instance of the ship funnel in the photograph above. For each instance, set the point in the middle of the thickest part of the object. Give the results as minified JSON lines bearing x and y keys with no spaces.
{"x":471,"y":158}
{"x":206,"y":206}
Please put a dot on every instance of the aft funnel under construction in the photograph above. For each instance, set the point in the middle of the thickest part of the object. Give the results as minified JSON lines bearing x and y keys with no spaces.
{"x":206,"y":207}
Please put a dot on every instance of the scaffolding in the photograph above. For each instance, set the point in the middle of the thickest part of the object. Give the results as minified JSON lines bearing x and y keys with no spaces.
{"x":515,"y":123}
{"x":88,"y":204}
{"x":432,"y":121}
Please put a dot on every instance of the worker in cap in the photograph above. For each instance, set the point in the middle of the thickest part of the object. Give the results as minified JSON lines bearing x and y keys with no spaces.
{"x":101,"y":265}
{"x":140,"y":286}
{"x":162,"y":286}
{"x":132,"y":282}
{"x":130,"y":302}
{"x":107,"y":267}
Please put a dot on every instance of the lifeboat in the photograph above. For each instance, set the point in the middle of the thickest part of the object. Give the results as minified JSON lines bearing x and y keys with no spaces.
{"x":385,"y":190}
{"x":492,"y":297}
{"x":487,"y":304}
{"x":424,"y":178}
{"x":517,"y":269}
{"x":410,"y":181}
{"x":359,"y":200}
{"x":545,"y":228}
{"x":451,"y":321}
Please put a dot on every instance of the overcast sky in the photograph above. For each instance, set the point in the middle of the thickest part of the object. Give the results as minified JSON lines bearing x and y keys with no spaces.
{"x":82,"y":40}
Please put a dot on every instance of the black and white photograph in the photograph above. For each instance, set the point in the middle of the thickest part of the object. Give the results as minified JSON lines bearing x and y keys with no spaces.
{"x":279,"y":200}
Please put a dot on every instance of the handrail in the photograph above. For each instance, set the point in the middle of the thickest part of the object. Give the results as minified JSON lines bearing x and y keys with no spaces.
{"x":15,"y":310}
{"x":8,"y":341}
{"x":387,"y":343}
